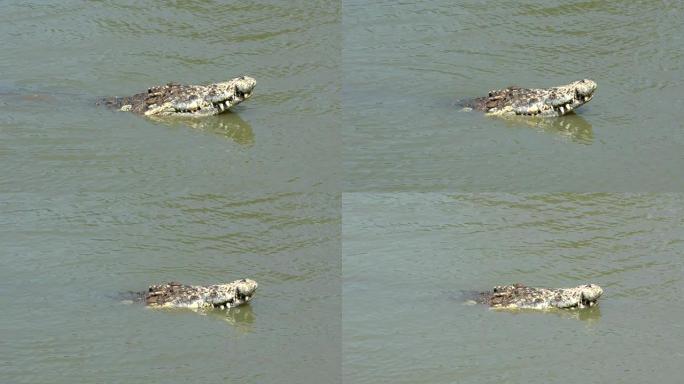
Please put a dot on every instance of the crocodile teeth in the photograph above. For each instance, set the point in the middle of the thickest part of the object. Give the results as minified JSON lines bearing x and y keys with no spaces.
{"x":562,"y":111}
{"x":221,"y":107}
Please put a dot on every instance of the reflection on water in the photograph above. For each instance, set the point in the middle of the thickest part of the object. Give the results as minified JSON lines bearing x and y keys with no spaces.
{"x":590,"y":315}
{"x":242,"y":318}
{"x":228,"y":125}
{"x":572,"y":126}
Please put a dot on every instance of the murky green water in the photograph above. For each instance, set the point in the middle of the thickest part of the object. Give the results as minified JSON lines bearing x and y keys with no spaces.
{"x":409,"y":259}
{"x":68,"y":261}
{"x":354,"y":97}
{"x":284,"y":138}
{"x":94,"y":203}
{"x":406,"y":64}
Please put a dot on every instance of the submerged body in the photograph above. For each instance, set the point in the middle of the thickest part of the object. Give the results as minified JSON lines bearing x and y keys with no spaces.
{"x":543,"y":102}
{"x":522,"y":297}
{"x":222,"y":296}
{"x":186,"y":100}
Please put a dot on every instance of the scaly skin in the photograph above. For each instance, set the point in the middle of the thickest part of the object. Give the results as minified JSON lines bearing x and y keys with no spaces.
{"x":223,"y":296}
{"x":542,"y":102}
{"x":522,"y":297}
{"x":186,"y":100}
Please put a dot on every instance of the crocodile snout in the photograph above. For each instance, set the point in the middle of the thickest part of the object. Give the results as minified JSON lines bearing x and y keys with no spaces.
{"x":245,"y":85}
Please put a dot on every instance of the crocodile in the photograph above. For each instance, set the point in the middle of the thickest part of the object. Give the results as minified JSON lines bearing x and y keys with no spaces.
{"x":541,"y":102}
{"x":521,"y":297}
{"x":220,"y":296}
{"x":180,"y":100}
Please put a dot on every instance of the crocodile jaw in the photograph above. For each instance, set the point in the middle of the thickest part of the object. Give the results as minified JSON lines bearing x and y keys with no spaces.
{"x":548,"y":102}
{"x":235,"y":294}
{"x":205,"y":100}
{"x":590,"y":295}
{"x":582,"y":296}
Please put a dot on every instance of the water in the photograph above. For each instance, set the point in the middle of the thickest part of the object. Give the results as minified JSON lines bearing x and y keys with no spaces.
{"x":351,"y":142}
{"x":69,"y":55}
{"x":410,"y":259}
{"x":405,"y":65}
{"x":95,"y":203}
{"x":68,"y":262}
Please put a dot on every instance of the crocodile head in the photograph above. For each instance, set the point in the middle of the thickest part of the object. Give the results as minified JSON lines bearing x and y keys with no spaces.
{"x":582,"y":296}
{"x":543,"y":102}
{"x":590,"y":294}
{"x":195,"y":100}
{"x":231,"y":295}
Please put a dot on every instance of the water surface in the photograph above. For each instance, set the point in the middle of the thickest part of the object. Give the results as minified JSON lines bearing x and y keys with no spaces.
{"x":405,"y":65}
{"x":69,"y":261}
{"x":69,"y":54}
{"x":410,"y":260}
{"x":94,"y":202}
